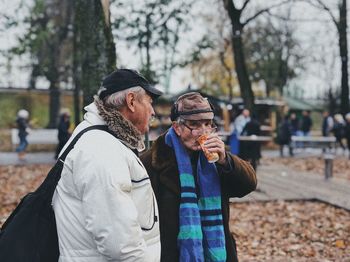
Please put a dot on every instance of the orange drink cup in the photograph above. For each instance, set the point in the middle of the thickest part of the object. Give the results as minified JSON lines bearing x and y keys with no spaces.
{"x":212,"y":157}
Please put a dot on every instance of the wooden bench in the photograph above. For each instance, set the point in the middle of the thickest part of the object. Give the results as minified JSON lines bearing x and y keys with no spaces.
{"x":313,"y":142}
{"x":326,"y":143}
{"x":254,"y":138}
{"x":37,"y":136}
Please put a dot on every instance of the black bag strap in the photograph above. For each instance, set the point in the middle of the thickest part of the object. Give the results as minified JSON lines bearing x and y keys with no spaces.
{"x":49,"y":184}
{"x":76,"y":138}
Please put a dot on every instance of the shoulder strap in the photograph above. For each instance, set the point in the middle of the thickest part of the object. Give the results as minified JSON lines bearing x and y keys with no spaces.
{"x":49,"y":184}
{"x":76,"y":138}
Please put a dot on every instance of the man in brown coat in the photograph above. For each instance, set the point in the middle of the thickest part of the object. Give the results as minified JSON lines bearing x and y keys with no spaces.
{"x":193,"y":194}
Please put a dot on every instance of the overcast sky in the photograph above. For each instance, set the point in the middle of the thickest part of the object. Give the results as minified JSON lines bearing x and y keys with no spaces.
{"x":319,"y":38}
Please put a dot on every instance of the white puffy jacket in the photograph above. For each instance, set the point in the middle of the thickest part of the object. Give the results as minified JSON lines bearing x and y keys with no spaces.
{"x":104,"y":205}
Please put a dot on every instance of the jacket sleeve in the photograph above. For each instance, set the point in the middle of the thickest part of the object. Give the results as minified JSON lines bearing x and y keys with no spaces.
{"x":108,"y":209}
{"x":239,"y":179}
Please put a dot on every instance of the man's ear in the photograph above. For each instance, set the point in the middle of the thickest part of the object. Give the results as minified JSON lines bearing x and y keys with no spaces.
{"x":177,"y":128}
{"x":130,"y":101}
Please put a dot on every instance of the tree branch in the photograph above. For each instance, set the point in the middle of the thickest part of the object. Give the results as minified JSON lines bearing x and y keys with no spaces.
{"x":246,"y":2}
{"x":325,"y":8}
{"x":265,"y":10}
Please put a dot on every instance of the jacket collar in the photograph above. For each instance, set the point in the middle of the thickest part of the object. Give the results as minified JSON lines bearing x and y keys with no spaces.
{"x":164,"y":162}
{"x":123,"y":129}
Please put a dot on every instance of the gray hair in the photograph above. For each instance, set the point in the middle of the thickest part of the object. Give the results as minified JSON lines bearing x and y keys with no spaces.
{"x":118,"y":100}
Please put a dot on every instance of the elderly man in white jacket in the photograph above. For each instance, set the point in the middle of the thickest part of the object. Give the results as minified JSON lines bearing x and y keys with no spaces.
{"x":104,"y":204}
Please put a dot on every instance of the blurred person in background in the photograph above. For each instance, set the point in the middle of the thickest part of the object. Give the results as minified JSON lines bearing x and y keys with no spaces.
{"x":306,"y":123}
{"x":347,"y":131}
{"x":284,"y":135}
{"x":63,"y":130}
{"x":23,"y":130}
{"x":327,"y":124}
{"x":251,"y":150}
{"x":339,"y":130}
{"x":241,"y":121}
{"x":237,"y":127}
{"x":294,"y":122}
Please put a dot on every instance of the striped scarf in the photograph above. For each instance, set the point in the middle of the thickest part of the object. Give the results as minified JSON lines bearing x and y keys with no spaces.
{"x":201,"y":236}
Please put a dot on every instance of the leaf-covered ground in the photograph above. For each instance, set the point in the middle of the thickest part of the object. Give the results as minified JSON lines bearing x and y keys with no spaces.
{"x":265,"y":231}
{"x":291,"y":231}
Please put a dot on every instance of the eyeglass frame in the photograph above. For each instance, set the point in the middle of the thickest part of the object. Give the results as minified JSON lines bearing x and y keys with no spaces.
{"x":213,"y":127}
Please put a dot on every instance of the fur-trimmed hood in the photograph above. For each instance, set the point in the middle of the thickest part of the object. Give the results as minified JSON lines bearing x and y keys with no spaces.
{"x":123,"y":129}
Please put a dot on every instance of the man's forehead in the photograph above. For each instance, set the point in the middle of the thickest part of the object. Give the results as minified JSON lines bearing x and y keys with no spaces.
{"x":199,"y":121}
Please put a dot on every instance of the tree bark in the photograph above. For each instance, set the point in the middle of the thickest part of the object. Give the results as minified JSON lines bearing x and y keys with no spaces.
{"x":242,"y":73}
{"x":76,"y":75}
{"x":60,"y":14}
{"x":95,"y":41}
{"x":238,"y":55}
{"x":343,"y":48}
{"x":55,"y":103}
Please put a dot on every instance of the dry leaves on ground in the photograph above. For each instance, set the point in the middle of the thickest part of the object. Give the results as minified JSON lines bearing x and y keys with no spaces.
{"x":265,"y":231}
{"x":290,"y":231}
{"x":315,"y":165}
{"x":16,"y":182}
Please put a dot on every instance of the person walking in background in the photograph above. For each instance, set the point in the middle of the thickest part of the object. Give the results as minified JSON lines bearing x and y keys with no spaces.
{"x":63,"y":130}
{"x":284,"y":135}
{"x":237,"y":128}
{"x":339,"y":129}
{"x":327,"y":124}
{"x":306,"y":123}
{"x":241,"y":121}
{"x":23,"y":129}
{"x":251,"y":150}
{"x":104,"y":205}
{"x":193,"y":193}
{"x":347,"y":131}
{"x":294,"y":122}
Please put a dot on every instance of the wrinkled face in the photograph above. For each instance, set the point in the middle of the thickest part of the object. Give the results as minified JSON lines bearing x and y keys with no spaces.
{"x":143,"y":113}
{"x":189,"y":131}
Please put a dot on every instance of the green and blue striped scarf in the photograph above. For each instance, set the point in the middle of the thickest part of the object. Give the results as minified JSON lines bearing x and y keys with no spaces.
{"x":201,"y":236}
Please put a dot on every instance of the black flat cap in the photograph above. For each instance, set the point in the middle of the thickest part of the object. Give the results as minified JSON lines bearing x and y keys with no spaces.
{"x":122,"y":79}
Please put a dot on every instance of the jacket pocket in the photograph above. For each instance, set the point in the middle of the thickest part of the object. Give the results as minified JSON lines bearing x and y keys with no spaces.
{"x":145,"y":202}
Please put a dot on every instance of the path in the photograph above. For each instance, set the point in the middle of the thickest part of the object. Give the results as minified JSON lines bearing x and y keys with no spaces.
{"x":277,"y":182}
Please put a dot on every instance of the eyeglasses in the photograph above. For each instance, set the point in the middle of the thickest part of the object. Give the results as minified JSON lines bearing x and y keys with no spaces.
{"x":199,"y":129}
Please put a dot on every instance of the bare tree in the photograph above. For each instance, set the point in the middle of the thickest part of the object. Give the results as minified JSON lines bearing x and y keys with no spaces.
{"x":235,"y":15}
{"x":341,"y":26}
{"x":93,"y":45}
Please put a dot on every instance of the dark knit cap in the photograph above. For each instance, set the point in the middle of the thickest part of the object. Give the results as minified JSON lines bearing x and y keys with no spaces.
{"x":122,"y":79}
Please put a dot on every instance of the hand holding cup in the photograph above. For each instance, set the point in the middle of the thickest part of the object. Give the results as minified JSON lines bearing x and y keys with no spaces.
{"x":211,"y":156}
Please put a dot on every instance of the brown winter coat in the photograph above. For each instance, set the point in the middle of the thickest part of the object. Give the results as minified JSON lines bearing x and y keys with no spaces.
{"x":160,"y":163}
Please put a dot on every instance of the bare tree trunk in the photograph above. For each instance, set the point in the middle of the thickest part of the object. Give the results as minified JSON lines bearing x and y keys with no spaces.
{"x":238,"y":55}
{"x":55,"y":103}
{"x":228,"y":70}
{"x":242,"y":73}
{"x":53,"y":77}
{"x":77,"y":80}
{"x":343,"y":48}
{"x":95,"y":41}
{"x":61,"y":24}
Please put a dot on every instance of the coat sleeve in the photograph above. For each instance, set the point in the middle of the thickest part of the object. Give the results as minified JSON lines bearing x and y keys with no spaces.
{"x":109,"y":212}
{"x":240,"y":179}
